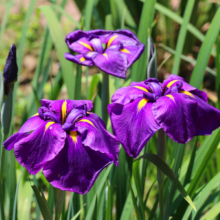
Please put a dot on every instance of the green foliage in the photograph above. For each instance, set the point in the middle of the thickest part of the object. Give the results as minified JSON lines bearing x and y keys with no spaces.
{"x":128,"y":191}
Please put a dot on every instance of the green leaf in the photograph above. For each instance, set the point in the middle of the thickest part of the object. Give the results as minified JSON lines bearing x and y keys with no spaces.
{"x":93,"y":89}
{"x":59,"y":196}
{"x":78,"y":82}
{"x":78,"y":213}
{"x":147,"y":16}
{"x":1,"y":89}
{"x":205,"y":51}
{"x":42,"y":204}
{"x":187,"y":59}
{"x":137,"y":180}
{"x":61,"y":47}
{"x":169,"y":173}
{"x":128,"y":207}
{"x":94,"y":217}
{"x":182,"y":36}
{"x":137,"y":211}
{"x":63,"y":12}
{"x":98,"y":191}
{"x":15,"y":200}
{"x":6,"y":113}
{"x":212,"y":213}
{"x":203,"y":195}
{"x":152,"y":66}
{"x":88,"y":13}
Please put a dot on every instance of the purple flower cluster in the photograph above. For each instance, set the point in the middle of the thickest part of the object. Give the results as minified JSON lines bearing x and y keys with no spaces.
{"x":71,"y":144}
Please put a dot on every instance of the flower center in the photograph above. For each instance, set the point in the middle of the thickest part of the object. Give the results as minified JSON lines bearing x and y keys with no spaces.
{"x":97,"y":45}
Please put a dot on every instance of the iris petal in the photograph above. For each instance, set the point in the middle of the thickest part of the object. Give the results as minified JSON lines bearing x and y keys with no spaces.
{"x":76,"y":167}
{"x":40,"y":146}
{"x":133,"y":125}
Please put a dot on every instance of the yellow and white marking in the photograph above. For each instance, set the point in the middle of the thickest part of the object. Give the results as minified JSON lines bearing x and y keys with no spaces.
{"x":188,"y":93}
{"x":82,"y":59}
{"x":48,"y":125}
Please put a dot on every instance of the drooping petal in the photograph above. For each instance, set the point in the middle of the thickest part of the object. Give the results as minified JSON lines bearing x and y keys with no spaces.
{"x":95,"y":136}
{"x":40,"y":146}
{"x":79,"y":59}
{"x":184,"y":115}
{"x":112,"y":62}
{"x":173,"y":80}
{"x":76,"y":167}
{"x":132,"y":52}
{"x":133,"y":124}
{"x":30,"y":125}
{"x":128,"y":94}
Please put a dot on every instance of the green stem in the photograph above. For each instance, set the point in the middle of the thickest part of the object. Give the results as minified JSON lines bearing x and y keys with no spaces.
{"x":59,"y":197}
{"x":105,"y":96}
{"x":2,"y":181}
{"x":161,"y":152}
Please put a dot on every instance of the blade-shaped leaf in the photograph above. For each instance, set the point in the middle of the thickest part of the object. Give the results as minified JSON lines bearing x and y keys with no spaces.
{"x":42,"y":204}
{"x":169,"y":173}
{"x":58,"y":39}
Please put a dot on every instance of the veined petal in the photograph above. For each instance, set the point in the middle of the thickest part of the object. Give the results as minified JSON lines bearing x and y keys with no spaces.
{"x":112,"y":62}
{"x":30,"y":125}
{"x":173,"y":79}
{"x":95,"y":136}
{"x":40,"y":146}
{"x":79,"y":59}
{"x":133,"y":124}
{"x":183,"y":116}
{"x":76,"y":167}
{"x":128,"y":94}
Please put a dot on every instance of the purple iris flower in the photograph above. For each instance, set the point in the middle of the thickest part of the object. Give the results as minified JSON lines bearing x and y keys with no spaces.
{"x":10,"y":72}
{"x":70,"y":143}
{"x":111,"y":51}
{"x":141,"y":109}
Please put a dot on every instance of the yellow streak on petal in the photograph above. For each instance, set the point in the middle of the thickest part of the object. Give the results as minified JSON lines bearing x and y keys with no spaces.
{"x":125,"y":50}
{"x":86,"y":120}
{"x":142,"y":88}
{"x":82,"y":59}
{"x":171,"y":83}
{"x":187,"y":93}
{"x":63,"y":109}
{"x":105,"y":55}
{"x":142,"y":103}
{"x":73,"y":135}
{"x":35,"y":114}
{"x":48,"y":125}
{"x":86,"y":45}
{"x":110,"y":40}
{"x":171,"y":97}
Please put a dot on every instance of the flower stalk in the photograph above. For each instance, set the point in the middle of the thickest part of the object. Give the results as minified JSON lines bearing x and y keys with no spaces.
{"x":161,"y":152}
{"x":105,"y":96}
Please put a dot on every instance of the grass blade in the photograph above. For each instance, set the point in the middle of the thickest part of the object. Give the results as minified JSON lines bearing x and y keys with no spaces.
{"x":15,"y":200}
{"x":58,"y":39}
{"x":147,"y":16}
{"x":169,"y":173}
{"x":205,"y":51}
{"x":182,"y":36}
{"x":42,"y":204}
